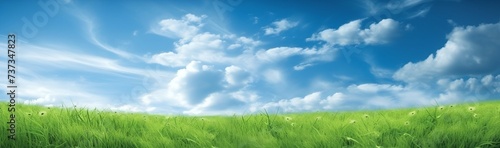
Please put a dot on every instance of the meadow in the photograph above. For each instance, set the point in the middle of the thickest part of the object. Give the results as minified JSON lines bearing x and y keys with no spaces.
{"x":461,"y":125}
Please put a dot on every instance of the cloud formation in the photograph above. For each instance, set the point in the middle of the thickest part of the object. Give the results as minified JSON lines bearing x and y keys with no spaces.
{"x":279,"y":26}
{"x":186,"y":27}
{"x":352,"y":33}
{"x":471,"y":50}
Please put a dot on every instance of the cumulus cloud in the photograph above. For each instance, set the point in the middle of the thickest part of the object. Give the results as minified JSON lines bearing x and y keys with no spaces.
{"x":273,"y":76}
{"x":186,"y":27}
{"x":279,"y":26}
{"x":278,"y":53}
{"x":471,"y":50}
{"x":352,"y":33}
{"x":485,"y":85}
{"x":201,"y":88}
{"x":310,"y":55}
{"x":194,"y":83}
{"x":236,"y":76}
{"x":362,"y":96}
{"x":204,"y":47}
{"x":217,"y":104}
{"x":309,"y":102}
{"x":193,"y":45}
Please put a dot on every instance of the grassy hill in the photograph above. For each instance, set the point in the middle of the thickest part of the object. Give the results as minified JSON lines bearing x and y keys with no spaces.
{"x":465,"y":125}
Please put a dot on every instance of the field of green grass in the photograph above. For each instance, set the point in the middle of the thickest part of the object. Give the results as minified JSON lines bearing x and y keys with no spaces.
{"x":464,"y":125}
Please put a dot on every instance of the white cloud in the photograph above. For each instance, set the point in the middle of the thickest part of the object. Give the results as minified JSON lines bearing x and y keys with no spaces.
{"x":420,"y":13}
{"x":204,"y":47}
{"x":278,"y":53}
{"x":273,"y":76}
{"x":184,"y":28}
{"x":217,"y":104}
{"x":194,"y":83}
{"x":47,"y":91}
{"x":332,"y":101}
{"x":79,"y":61}
{"x":201,"y":89}
{"x":93,"y":37}
{"x":374,"y":88}
{"x":311,"y":55}
{"x":471,"y":50}
{"x":352,"y":33}
{"x":384,"y":96}
{"x":279,"y":26}
{"x":236,"y":76}
{"x":405,"y":7}
{"x":398,"y":6}
{"x":133,"y":108}
{"x":309,"y":102}
{"x":302,"y":66}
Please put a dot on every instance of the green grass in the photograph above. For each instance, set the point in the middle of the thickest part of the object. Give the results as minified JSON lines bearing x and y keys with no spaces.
{"x":456,"y":126}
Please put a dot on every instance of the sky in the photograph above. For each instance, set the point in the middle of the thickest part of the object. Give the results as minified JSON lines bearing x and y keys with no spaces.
{"x":225,"y":57}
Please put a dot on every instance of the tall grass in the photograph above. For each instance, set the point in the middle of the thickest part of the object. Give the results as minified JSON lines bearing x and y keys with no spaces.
{"x":466,"y":125}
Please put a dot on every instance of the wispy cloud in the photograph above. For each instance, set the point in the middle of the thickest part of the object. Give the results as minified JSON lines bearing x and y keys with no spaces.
{"x":420,"y":13}
{"x":279,"y":26}
{"x":352,"y":34}
{"x":90,"y":27}
{"x":375,"y":8}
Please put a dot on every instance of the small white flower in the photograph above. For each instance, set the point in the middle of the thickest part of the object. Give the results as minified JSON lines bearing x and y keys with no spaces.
{"x":288,"y":118}
{"x":412,"y":113}
{"x":472,"y":109}
{"x":42,"y":113}
{"x":352,"y":121}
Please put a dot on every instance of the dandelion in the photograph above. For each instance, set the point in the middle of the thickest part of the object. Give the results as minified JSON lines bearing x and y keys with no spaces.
{"x":475,"y":115}
{"x":288,"y":118}
{"x":412,"y":113}
{"x":292,"y":124}
{"x":441,"y":107}
{"x":366,"y":116}
{"x":42,"y":113}
{"x":352,"y":121}
{"x":472,"y":108}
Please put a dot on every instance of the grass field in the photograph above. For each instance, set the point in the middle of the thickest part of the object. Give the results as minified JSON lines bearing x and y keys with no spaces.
{"x":464,"y":125}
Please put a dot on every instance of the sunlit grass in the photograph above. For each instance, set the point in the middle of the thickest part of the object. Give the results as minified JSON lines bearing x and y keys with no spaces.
{"x":461,"y":125}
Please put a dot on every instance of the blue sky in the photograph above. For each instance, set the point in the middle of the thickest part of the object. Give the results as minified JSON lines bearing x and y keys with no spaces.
{"x":243,"y":56}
